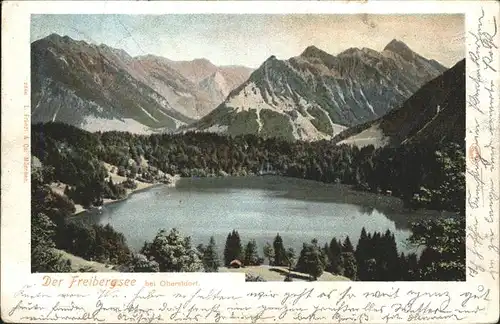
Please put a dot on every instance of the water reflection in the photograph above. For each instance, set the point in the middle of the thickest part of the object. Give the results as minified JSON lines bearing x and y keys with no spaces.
{"x":259,"y":208}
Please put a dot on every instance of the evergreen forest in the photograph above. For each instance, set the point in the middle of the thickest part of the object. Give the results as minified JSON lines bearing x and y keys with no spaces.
{"x":430,"y":176}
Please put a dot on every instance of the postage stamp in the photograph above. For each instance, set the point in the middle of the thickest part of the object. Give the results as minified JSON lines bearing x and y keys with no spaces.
{"x":250,"y":162}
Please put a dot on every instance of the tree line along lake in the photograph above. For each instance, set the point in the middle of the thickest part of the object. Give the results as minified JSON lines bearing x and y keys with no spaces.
{"x":258,"y":207}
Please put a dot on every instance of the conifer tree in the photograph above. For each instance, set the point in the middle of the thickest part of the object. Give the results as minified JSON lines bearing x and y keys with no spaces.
{"x":324,"y":255}
{"x":336,"y":265}
{"x":251,"y":257}
{"x":43,"y":257}
{"x":444,"y":255}
{"x":350,"y":267}
{"x":173,"y":252}
{"x":404,"y":266}
{"x":427,"y":264}
{"x":291,"y":258}
{"x":201,"y":248}
{"x":210,"y":259}
{"x":377,"y":252}
{"x":227,"y":250}
{"x":362,"y":246}
{"x":413,"y":272}
{"x":268,"y":253}
{"x":363,"y":254}
{"x":232,"y":249}
{"x":391,"y":258}
{"x":279,"y":252}
{"x":347,"y":245}
{"x":310,"y":260}
{"x":140,"y":263}
{"x":369,"y":271}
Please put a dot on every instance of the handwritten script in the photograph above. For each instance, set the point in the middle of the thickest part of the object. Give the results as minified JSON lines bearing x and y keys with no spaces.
{"x":256,"y":304}
{"x":482,"y":138}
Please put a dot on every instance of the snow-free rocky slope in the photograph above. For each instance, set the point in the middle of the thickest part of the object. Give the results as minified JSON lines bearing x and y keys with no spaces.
{"x":435,"y":113}
{"x":98,"y":88}
{"x":217,"y":81}
{"x":317,"y":95}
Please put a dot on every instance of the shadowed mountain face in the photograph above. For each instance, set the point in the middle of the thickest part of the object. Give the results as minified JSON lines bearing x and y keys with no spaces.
{"x":103,"y":88}
{"x":435,"y":113}
{"x":317,"y":95}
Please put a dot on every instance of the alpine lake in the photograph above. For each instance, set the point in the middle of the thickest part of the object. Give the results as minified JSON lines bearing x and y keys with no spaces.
{"x":258,"y":207}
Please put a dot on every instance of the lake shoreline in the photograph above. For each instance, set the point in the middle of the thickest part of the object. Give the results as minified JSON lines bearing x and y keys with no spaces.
{"x":340,"y":193}
{"x":141,"y":186}
{"x":300,"y":210}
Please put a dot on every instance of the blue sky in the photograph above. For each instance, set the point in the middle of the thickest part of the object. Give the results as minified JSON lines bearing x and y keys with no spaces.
{"x":232,"y":39}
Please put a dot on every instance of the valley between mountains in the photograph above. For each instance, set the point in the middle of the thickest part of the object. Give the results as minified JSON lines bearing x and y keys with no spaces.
{"x":365,"y":145}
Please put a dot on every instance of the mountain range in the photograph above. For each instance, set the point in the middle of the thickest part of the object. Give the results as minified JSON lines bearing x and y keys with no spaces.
{"x":359,"y":96}
{"x":435,"y":113}
{"x":317,"y":95}
{"x":97,"y":87}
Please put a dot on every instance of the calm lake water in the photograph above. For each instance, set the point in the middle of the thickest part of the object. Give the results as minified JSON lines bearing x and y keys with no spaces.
{"x":257,"y":207}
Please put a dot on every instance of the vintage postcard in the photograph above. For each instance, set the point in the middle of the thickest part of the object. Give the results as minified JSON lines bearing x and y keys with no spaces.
{"x":250,"y":162}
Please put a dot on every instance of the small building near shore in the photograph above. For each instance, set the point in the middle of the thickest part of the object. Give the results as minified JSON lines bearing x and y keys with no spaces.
{"x":235,"y":264}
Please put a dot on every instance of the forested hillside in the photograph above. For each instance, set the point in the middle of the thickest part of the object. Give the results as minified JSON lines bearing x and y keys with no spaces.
{"x":375,"y":256}
{"x":430,"y":176}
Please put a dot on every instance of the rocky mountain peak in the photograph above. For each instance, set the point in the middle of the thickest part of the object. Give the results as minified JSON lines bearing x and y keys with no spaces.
{"x":313,"y":51}
{"x":316,"y":95}
{"x":98,"y":87}
{"x":203,"y":63}
{"x":58,"y":38}
{"x":271,"y":62}
{"x":398,"y":47}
